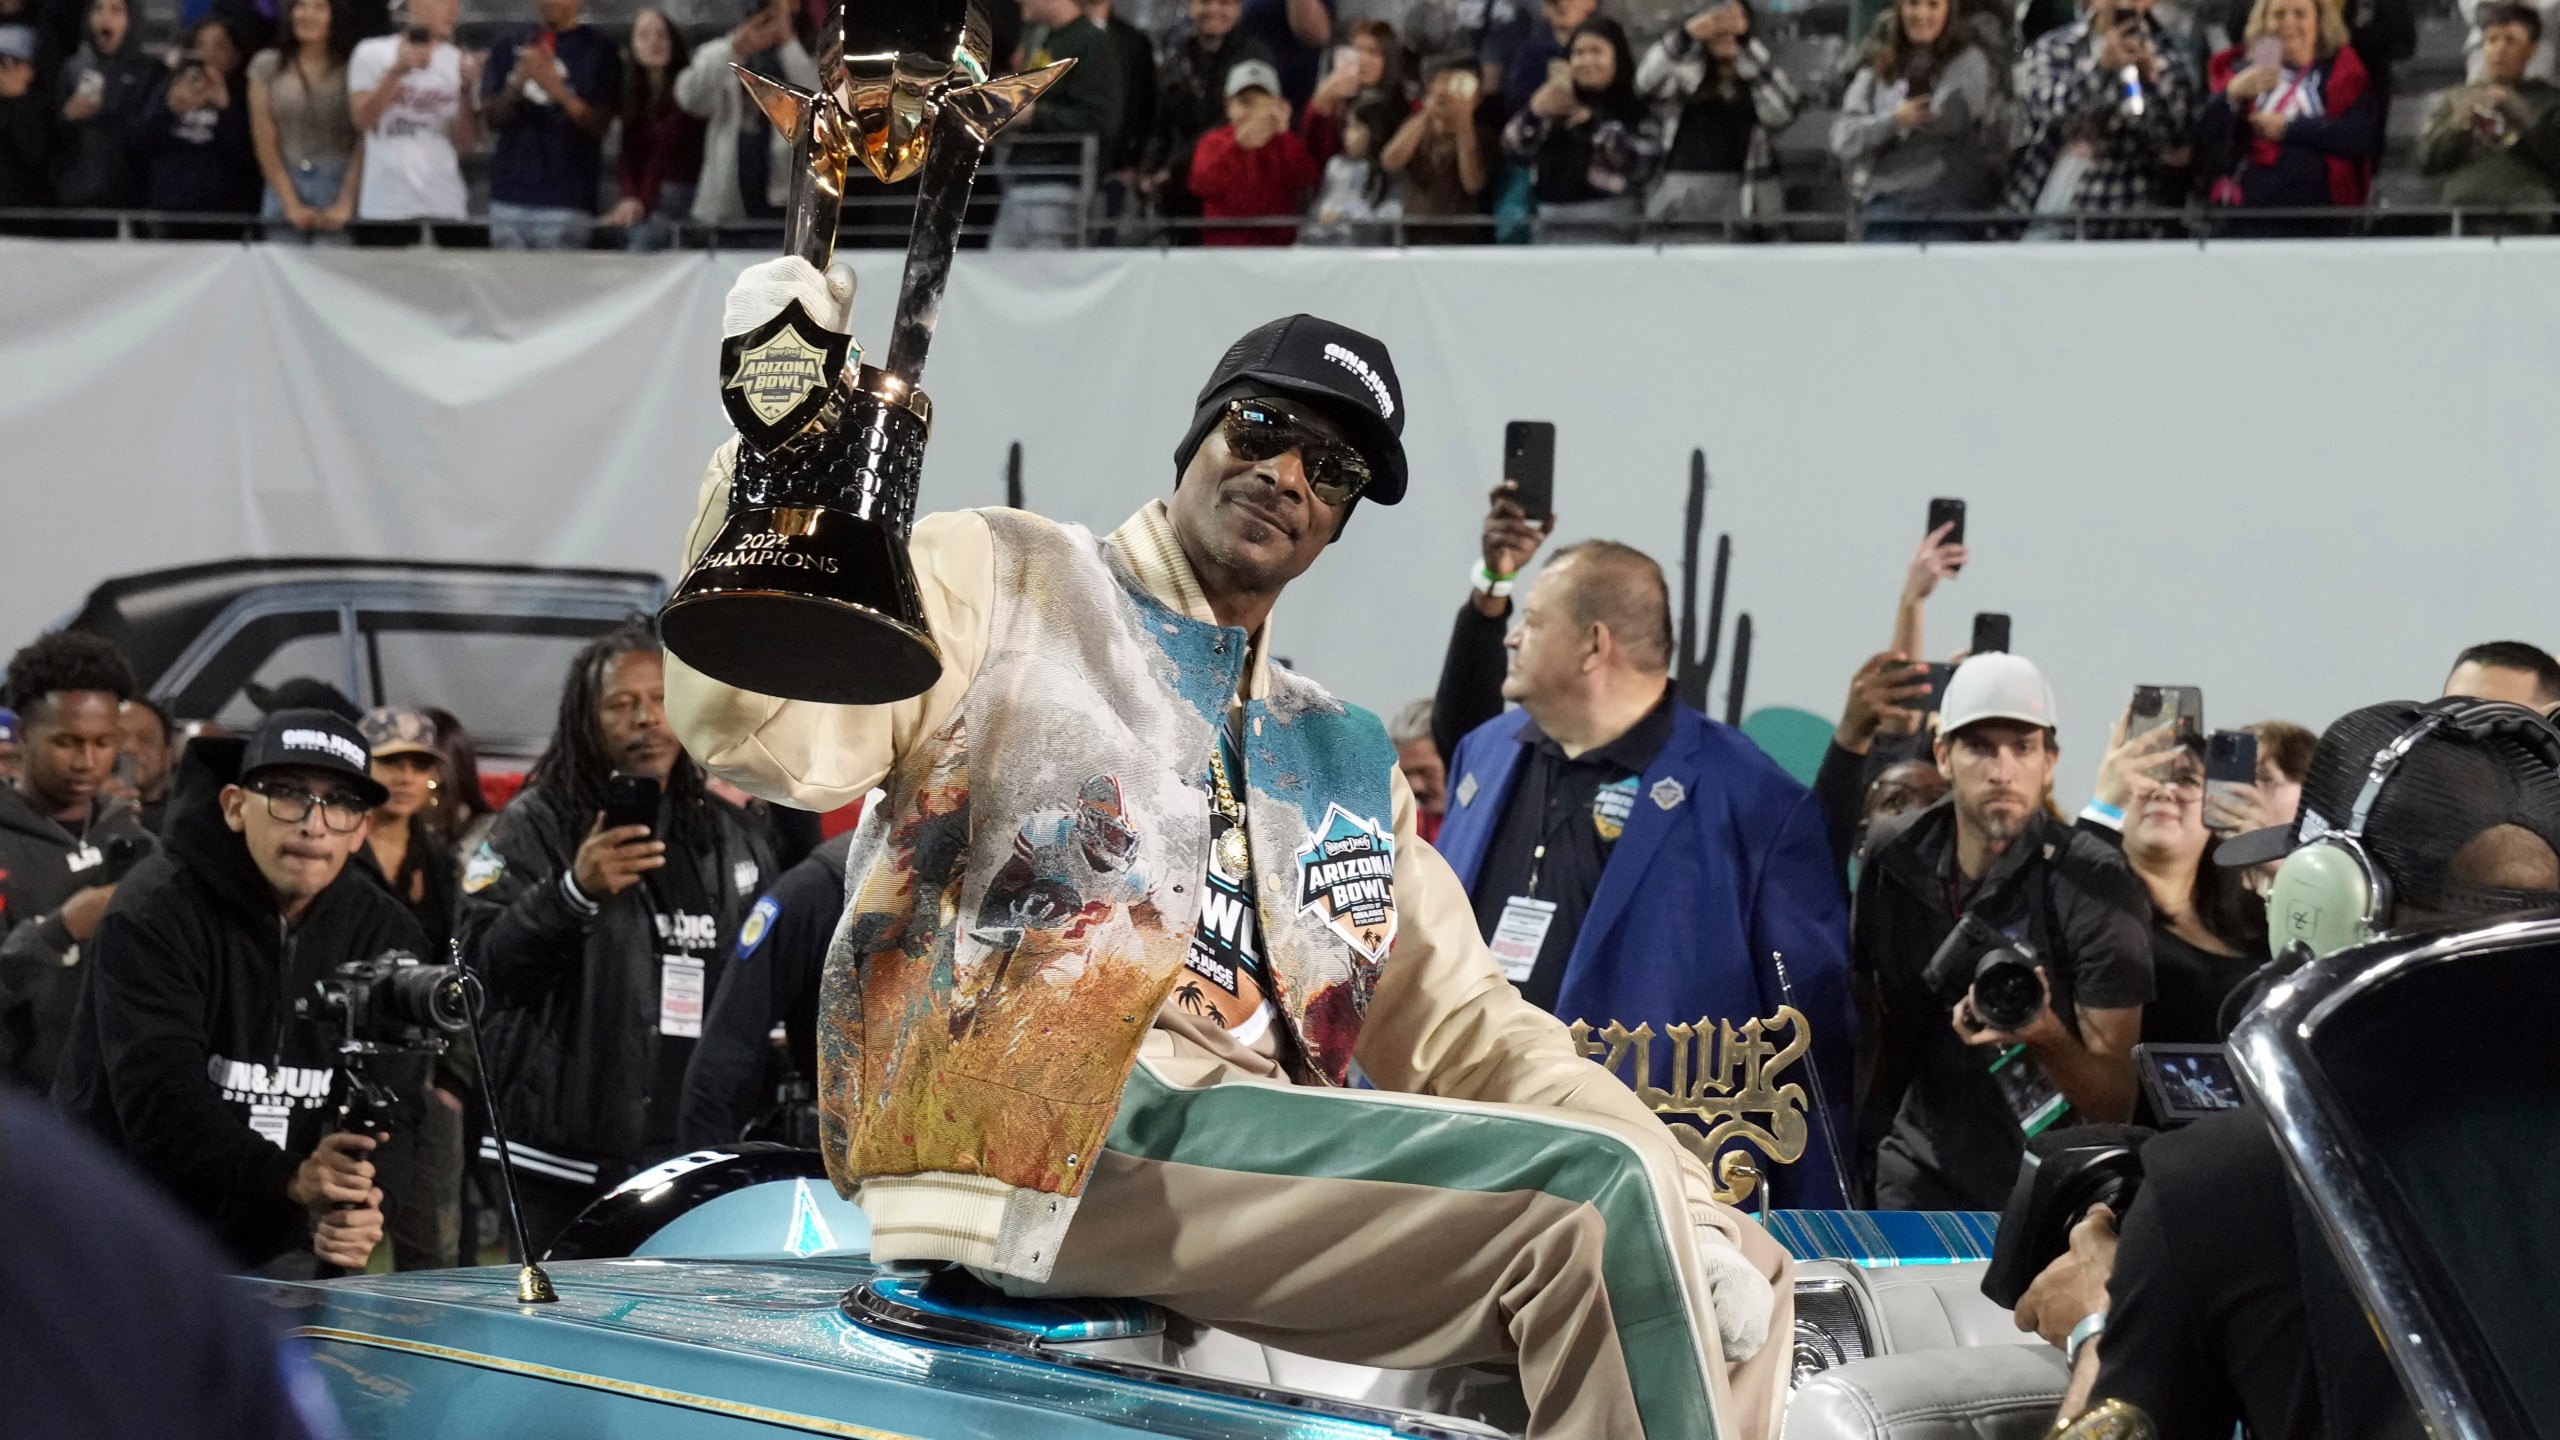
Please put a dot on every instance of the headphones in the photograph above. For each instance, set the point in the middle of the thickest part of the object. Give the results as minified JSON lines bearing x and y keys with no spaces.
{"x":2329,"y":895}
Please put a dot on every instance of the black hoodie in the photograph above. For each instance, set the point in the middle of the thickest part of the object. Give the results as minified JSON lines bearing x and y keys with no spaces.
{"x":590,"y":1085}
{"x":42,"y":865}
{"x":93,"y":167}
{"x":187,"y":1055}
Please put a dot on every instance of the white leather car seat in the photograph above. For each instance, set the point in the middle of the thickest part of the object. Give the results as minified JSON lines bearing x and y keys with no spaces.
{"x":1989,"y":1392}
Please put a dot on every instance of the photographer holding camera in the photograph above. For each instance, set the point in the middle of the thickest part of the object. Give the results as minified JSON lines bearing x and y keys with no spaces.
{"x":2010,"y":955}
{"x":190,"y":1054}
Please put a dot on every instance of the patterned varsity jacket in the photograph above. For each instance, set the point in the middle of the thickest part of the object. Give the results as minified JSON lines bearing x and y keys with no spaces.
{"x":1020,"y":901}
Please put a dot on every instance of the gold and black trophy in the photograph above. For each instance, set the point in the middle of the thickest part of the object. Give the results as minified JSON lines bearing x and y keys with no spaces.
{"x":806,"y":592}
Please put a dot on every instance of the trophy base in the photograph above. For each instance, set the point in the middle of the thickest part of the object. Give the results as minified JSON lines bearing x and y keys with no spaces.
{"x":813,"y":603}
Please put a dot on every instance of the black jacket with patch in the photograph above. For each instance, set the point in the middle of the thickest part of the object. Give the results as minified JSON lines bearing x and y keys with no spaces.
{"x":42,"y":865}
{"x":187,"y":1055}
{"x":573,"y":1028}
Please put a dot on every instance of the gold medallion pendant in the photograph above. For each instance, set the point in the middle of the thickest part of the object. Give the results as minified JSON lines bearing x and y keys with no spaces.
{"x":1234,"y":858}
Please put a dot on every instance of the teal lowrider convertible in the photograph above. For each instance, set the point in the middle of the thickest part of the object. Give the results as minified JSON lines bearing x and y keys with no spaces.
{"x":727,"y":1293}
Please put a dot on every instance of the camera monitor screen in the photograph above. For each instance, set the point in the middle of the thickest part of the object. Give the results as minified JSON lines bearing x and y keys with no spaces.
{"x":2188,"y":1082}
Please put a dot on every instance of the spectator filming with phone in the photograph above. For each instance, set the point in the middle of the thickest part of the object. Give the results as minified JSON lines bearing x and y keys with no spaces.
{"x":101,"y":89}
{"x":416,"y":98}
{"x":2208,"y":929}
{"x":1439,"y":155}
{"x":192,"y":139}
{"x":1721,"y":101}
{"x":2105,"y":106}
{"x":1590,"y":143}
{"x":1516,"y":523}
{"x":2491,"y":141}
{"x":612,"y":886}
{"x":1911,"y":130}
{"x":1884,"y":723}
{"x":2294,"y":121}
{"x":1254,"y":166}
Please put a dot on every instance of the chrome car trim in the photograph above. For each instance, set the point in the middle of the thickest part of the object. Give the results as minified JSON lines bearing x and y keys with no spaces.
{"x":876,"y":1312}
{"x":813,"y":1424}
{"x":1831,"y":1331}
{"x":2457,"y":1394}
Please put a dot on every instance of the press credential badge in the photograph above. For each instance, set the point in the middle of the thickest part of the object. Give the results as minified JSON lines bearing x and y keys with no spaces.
{"x":1520,"y":934}
{"x":680,"y":992}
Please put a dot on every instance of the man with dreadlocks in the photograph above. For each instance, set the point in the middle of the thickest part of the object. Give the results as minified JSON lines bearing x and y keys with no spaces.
{"x":602,"y":945}
{"x":1138,"y":908}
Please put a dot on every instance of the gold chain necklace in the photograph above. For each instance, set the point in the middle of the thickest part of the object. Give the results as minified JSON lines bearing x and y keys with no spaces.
{"x":1235,"y":855}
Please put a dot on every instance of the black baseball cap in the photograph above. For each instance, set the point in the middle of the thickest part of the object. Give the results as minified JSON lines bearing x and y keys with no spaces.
{"x":1344,"y":375}
{"x":313,"y":740}
{"x":2497,"y":765}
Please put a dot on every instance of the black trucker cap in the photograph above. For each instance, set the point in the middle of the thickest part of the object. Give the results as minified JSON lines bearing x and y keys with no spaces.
{"x":1342,"y":373}
{"x":2487,"y":765}
{"x":314,"y":740}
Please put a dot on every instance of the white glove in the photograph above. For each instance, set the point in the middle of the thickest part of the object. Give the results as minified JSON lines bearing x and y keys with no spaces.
{"x":768,"y":285}
{"x":1742,"y":1297}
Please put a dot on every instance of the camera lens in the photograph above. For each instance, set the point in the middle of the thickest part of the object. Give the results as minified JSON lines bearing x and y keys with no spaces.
{"x":2006,"y":993}
{"x":428,"y":997}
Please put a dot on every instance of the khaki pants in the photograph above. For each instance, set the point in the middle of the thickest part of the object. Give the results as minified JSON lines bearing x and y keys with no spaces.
{"x":1408,"y":1232}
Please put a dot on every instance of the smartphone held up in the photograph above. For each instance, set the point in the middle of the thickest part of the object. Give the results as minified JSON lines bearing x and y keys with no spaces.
{"x":1990,"y":634}
{"x":631,"y":800}
{"x":2230,"y":765}
{"x":2174,"y":707}
{"x":1946,"y":513}
{"x":1529,"y":466}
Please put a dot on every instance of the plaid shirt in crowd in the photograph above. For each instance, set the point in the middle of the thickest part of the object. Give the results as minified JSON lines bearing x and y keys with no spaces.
{"x":2063,"y":96}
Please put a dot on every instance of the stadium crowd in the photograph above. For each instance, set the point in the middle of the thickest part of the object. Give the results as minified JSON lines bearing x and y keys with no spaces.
{"x":1278,"y":121}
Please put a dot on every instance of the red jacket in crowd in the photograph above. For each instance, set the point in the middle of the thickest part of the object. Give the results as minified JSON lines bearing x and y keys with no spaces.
{"x":1233,"y":183}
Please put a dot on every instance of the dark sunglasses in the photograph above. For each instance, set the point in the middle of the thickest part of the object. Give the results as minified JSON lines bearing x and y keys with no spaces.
{"x":1265,"y":429}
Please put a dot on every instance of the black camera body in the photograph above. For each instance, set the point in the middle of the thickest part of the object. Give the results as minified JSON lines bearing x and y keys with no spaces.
{"x":391,"y":1003}
{"x":2065,"y":1172}
{"x":1997,"y":971}
{"x":388,"y":1006}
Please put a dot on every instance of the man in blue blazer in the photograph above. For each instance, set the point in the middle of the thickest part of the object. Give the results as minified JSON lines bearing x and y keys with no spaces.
{"x":1633,"y":861}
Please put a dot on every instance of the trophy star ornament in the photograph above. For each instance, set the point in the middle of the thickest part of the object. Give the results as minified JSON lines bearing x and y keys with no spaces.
{"x":805,"y":592}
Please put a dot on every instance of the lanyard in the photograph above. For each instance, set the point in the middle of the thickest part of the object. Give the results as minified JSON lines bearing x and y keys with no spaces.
{"x":1549,"y":830}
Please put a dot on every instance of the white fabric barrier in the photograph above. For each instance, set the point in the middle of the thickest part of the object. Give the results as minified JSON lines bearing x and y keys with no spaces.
{"x":2299,"y":475}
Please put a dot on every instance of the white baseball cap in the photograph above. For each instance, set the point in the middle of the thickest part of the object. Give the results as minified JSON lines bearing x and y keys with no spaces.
{"x":1997,"y":687}
{"x":1251,"y":75}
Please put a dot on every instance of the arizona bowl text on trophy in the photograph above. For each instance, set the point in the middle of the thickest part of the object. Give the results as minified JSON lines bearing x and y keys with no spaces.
{"x":806,"y":592}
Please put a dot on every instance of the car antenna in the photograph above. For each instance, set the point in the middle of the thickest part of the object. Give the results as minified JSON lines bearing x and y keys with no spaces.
{"x":533,"y":1287}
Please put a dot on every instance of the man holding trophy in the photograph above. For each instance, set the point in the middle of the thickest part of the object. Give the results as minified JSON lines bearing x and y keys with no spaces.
{"x":1138,"y":904}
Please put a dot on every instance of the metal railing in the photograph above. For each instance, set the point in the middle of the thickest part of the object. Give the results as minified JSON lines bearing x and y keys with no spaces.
{"x":879,"y":220}
{"x":873,"y":217}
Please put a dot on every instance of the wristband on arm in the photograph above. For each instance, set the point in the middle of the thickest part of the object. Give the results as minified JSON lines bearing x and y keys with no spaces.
{"x":2089,"y":1328}
{"x":1488,"y":583}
